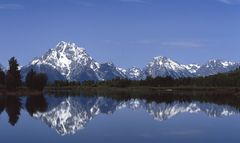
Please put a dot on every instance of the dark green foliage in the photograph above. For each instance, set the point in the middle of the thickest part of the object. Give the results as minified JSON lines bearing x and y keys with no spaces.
{"x":219,"y":80}
{"x":118,"y":82}
{"x":88,"y":83}
{"x":30,"y":79}
{"x":2,"y":77}
{"x":36,"y":81}
{"x":10,"y":82}
{"x":40,"y":81}
{"x":13,"y":79}
{"x":65,"y":83}
{"x":149,"y":81}
{"x":159,"y":81}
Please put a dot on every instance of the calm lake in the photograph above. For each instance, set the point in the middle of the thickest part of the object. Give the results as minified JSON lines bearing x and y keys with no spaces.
{"x":101,"y":119}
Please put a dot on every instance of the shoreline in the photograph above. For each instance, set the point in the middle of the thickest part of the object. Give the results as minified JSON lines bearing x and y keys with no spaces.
{"x":108,"y":90}
{"x":20,"y":92}
{"x":141,"y":91}
{"x":169,"y":89}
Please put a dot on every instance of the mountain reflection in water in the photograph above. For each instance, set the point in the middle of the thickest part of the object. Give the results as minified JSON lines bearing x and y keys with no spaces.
{"x":69,"y":114}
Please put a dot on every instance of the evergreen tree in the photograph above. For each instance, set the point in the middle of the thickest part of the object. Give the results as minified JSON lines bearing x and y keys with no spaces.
{"x":10,"y":82}
{"x":30,"y":79}
{"x":36,"y":81}
{"x":40,"y":81}
{"x":2,"y":77}
{"x":13,"y":74}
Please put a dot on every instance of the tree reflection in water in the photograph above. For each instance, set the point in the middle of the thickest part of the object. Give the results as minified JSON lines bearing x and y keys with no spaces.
{"x":2,"y":105}
{"x":36,"y":104}
{"x":13,"y":105}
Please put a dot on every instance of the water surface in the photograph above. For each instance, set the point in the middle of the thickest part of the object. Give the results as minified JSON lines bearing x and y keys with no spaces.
{"x":101,"y":119}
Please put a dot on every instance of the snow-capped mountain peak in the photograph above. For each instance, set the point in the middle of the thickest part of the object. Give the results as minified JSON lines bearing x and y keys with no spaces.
{"x":64,"y":58}
{"x":163,"y":66}
{"x":216,"y":66}
{"x":166,"y":62}
{"x":72,"y":63}
{"x":160,"y":60}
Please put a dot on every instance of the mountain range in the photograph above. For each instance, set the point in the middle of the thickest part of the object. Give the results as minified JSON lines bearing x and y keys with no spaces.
{"x":67,"y":61}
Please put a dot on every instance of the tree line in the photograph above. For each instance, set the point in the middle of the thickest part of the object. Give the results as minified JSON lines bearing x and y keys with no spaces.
{"x":11,"y":79}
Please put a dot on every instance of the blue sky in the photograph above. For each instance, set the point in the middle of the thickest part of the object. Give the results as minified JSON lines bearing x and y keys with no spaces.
{"x":126,"y":32}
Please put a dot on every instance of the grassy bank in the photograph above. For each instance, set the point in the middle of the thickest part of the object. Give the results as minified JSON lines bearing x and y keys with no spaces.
{"x":131,"y":91}
{"x":141,"y":91}
{"x":146,"y":89}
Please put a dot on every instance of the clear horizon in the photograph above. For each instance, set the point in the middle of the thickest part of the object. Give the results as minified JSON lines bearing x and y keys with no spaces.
{"x":125,"y":32}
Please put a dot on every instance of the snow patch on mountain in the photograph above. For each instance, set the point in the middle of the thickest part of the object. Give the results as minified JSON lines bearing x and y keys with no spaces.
{"x":122,"y":70}
{"x":192,"y":68}
{"x":135,"y":73}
